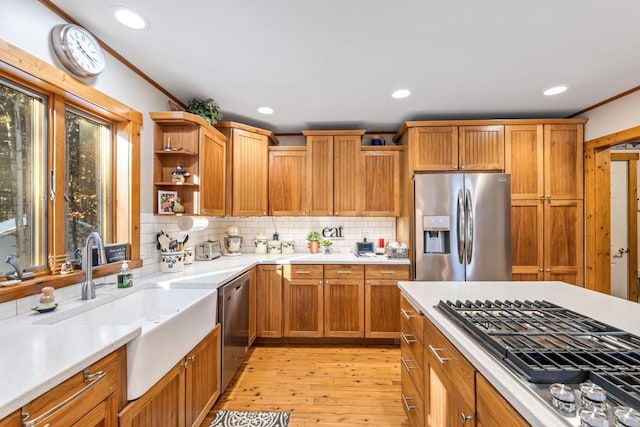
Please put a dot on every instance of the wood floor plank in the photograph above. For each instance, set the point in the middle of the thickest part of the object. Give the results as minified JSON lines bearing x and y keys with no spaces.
{"x":321,"y":385}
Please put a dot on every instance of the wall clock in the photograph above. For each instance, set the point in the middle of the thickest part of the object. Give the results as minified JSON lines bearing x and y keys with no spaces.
{"x":77,"y":49}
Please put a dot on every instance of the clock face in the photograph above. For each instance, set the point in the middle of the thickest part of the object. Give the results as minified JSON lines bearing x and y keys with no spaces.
{"x":78,"y":50}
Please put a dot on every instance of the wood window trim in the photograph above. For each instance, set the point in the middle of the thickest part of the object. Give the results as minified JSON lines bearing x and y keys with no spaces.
{"x":62,"y":90}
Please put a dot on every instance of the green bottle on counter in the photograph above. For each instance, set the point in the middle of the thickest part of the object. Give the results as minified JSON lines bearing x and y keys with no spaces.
{"x":125,"y":277}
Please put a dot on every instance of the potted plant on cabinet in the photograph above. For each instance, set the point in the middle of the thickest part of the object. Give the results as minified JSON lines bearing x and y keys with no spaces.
{"x":314,"y":239}
{"x":205,"y":108}
{"x":326,"y":246}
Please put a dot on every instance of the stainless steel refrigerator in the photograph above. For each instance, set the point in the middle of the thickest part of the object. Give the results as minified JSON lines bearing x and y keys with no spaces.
{"x":462,"y":226}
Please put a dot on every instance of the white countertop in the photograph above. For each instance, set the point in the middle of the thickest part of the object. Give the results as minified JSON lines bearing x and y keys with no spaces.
{"x":35,"y":357}
{"x":616,"y":312}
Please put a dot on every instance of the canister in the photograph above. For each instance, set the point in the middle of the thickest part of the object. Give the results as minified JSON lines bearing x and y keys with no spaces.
{"x":171,"y":262}
{"x":274,"y":247}
{"x":288,"y":247}
{"x":260,"y":244}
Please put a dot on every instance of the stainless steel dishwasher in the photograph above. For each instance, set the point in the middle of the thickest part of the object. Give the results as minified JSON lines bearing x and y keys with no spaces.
{"x":233,"y":313}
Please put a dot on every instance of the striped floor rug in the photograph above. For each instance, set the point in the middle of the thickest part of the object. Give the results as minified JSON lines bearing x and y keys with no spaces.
{"x":250,"y":419}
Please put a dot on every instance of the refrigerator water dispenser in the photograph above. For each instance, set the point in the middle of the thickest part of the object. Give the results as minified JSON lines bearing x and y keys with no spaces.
{"x":437,"y":230}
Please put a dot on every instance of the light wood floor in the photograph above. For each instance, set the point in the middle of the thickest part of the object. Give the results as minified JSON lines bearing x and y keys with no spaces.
{"x":320,"y":385}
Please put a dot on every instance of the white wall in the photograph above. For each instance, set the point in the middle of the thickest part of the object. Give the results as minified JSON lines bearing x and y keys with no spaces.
{"x":621,"y":114}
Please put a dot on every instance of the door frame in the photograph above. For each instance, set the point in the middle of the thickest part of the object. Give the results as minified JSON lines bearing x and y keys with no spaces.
{"x":632,"y":219}
{"x":598,"y":210}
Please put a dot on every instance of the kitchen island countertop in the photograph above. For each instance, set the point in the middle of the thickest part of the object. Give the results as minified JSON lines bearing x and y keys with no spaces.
{"x":36,"y":356}
{"x":425,"y":296}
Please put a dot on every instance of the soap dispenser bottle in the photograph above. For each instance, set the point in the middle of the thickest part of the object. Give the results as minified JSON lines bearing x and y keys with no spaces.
{"x":125,"y":277}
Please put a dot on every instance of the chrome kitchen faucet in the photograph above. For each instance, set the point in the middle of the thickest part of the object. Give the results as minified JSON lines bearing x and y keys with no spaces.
{"x":88,"y":287}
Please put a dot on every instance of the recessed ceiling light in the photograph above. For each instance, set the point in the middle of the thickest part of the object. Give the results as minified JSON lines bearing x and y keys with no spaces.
{"x":555,"y":90}
{"x":401,"y":93}
{"x":130,"y":18}
{"x":265,"y":110}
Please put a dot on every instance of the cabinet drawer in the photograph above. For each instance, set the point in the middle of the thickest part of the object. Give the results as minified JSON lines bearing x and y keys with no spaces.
{"x":78,"y":395}
{"x":442,"y":353}
{"x":344,"y":271}
{"x":303,"y":271}
{"x":412,"y":316}
{"x":413,"y":365}
{"x":389,"y":272}
{"x":412,"y":342}
{"x":411,"y":400}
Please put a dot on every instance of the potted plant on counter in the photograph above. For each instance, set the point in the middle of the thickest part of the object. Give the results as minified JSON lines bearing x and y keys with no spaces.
{"x":314,"y":239}
{"x":326,"y":246}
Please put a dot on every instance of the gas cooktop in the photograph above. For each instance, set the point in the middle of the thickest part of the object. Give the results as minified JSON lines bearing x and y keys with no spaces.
{"x":548,"y":344}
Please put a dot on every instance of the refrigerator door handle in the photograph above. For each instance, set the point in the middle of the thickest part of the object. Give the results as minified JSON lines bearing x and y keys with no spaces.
{"x":460,"y":227}
{"x":468,"y":207}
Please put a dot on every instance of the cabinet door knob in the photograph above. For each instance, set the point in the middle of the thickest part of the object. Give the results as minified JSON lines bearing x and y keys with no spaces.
{"x":548,"y":196}
{"x":541,"y":196}
{"x":464,"y":417}
{"x":548,"y":270}
{"x":455,"y":167}
{"x":541,"y":270}
{"x":192,"y":358}
{"x":461,"y":166}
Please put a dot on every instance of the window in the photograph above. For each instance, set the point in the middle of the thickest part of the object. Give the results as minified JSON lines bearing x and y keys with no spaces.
{"x":69,"y":163}
{"x":22,"y":211}
{"x":87,"y":179}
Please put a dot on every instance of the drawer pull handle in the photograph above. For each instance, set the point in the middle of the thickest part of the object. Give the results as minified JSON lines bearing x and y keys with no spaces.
{"x":435,"y":353}
{"x":406,"y":338}
{"x":344,"y":272}
{"x":405,"y":402}
{"x":91,"y":379}
{"x":465,"y":417}
{"x":405,"y":362}
{"x":406,"y":314}
{"x":303,"y":272}
{"x":387,"y":272}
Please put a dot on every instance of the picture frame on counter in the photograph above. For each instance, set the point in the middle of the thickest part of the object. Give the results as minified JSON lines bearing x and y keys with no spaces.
{"x":166,"y":200}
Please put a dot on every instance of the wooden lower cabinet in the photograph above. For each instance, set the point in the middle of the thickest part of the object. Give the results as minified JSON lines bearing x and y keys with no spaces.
{"x":382,"y":300}
{"x":492,"y":410}
{"x":184,"y":396}
{"x":547,"y":238}
{"x":412,"y":366}
{"x":96,"y":406}
{"x":253,"y":284}
{"x":269,"y":301}
{"x":303,"y":308}
{"x":344,"y":308}
{"x":11,"y":420}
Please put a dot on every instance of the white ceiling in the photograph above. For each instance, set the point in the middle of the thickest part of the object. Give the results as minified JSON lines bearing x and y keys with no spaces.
{"x":334,"y":63}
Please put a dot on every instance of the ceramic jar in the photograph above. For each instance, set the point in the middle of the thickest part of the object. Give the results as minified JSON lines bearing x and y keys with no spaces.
{"x":171,"y":262}
{"x":288,"y":247}
{"x":274,"y":247}
{"x":188,"y":255}
{"x":260,"y":244}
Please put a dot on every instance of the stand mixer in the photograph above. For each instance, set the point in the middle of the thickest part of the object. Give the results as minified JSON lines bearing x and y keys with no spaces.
{"x":232,"y":241}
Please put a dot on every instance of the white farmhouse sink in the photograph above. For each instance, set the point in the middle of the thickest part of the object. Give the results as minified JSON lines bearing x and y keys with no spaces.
{"x":173,"y":321}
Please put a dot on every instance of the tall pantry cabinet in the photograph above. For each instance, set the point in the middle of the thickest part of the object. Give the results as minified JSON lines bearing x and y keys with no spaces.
{"x":547,"y":209}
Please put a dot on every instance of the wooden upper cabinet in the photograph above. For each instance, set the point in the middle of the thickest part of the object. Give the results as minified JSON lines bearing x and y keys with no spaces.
{"x":347,"y":187}
{"x":524,"y":160}
{"x":287,"y":181}
{"x":481,"y":148}
{"x":212,"y":173}
{"x":320,"y":175}
{"x":434,"y":148}
{"x":527,"y":239}
{"x":452,"y":148}
{"x":545,"y":161}
{"x":247,"y":168}
{"x":381,"y":183}
{"x":334,"y":185}
{"x":181,"y":138}
{"x":563,"y":161}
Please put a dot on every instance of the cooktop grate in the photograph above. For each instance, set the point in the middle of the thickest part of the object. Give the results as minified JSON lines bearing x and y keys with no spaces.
{"x":545,"y":342}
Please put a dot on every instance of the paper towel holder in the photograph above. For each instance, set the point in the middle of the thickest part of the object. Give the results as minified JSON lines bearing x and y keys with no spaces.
{"x":192,"y":223}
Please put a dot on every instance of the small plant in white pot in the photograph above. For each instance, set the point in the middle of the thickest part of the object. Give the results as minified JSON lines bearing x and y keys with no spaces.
{"x":326,"y":246}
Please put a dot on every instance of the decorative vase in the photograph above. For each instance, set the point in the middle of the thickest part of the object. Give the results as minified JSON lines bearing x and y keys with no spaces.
{"x":177,"y":207}
{"x":326,"y":250}
{"x":313,"y":247}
